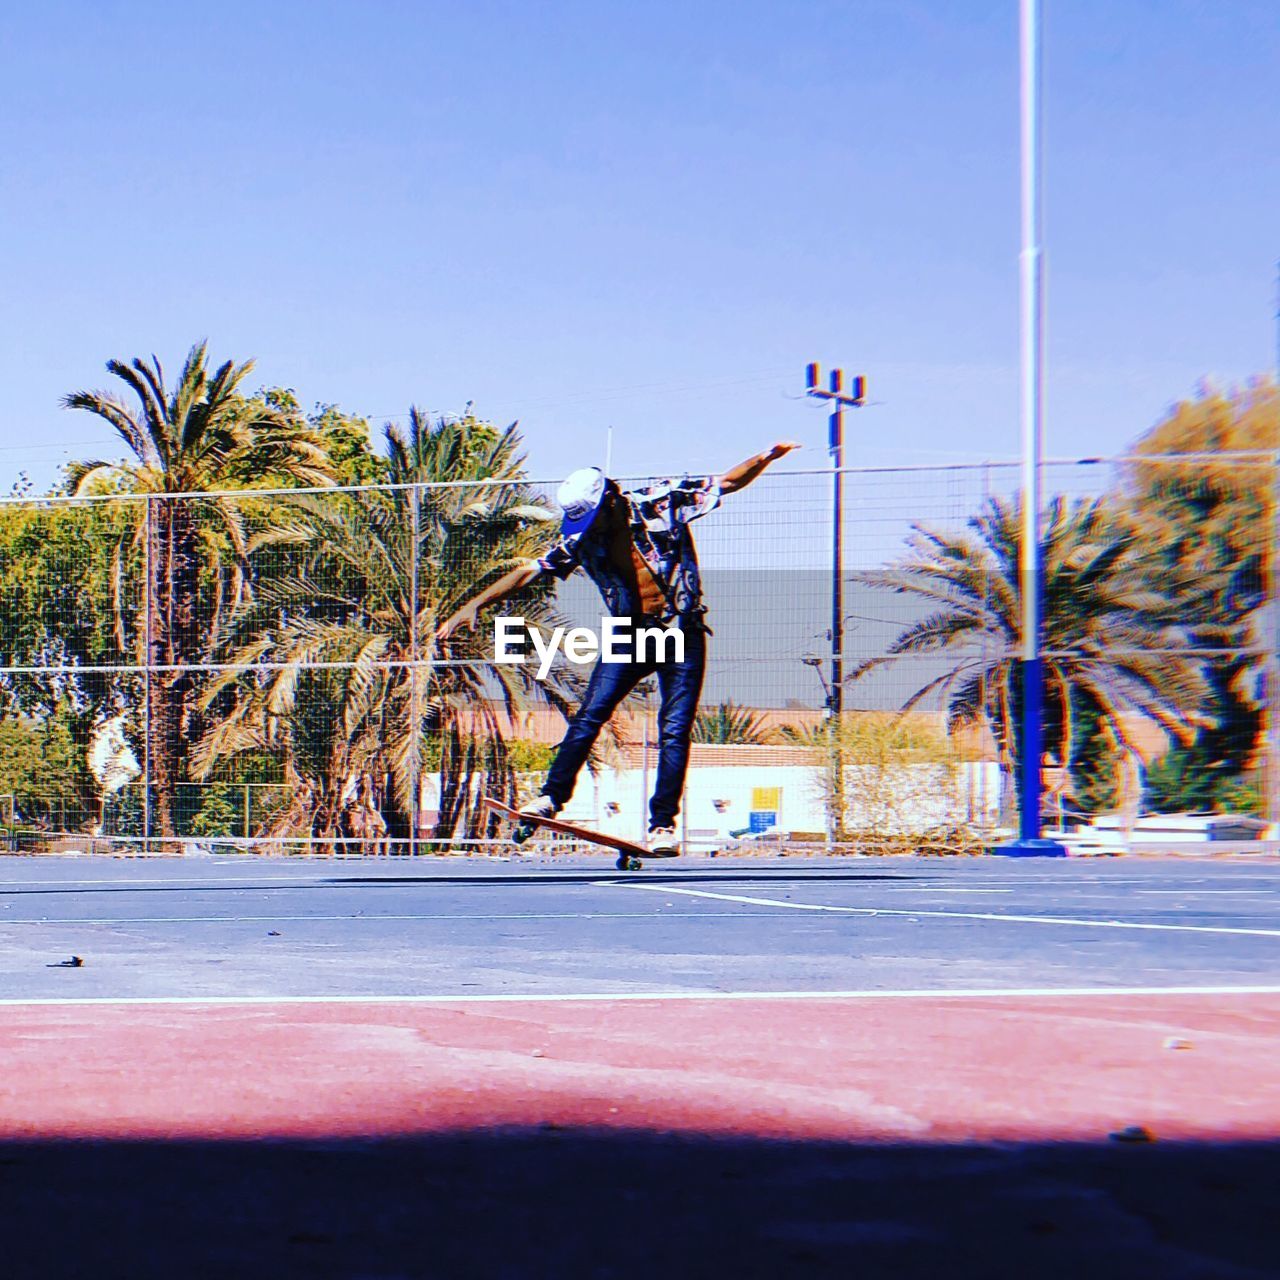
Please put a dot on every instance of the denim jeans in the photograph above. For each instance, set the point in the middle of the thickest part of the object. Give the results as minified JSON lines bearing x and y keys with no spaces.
{"x":679,"y":684}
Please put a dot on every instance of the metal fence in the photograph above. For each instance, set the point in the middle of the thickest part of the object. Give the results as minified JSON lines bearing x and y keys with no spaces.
{"x":258,"y":669}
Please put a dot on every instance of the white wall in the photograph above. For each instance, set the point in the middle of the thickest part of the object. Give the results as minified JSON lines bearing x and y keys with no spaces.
{"x":900,"y":800}
{"x":912,"y":798}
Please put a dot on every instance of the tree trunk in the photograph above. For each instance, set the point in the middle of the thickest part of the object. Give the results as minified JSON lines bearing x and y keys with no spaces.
{"x":453,"y":781}
{"x":463,"y":764}
{"x":174,"y":643}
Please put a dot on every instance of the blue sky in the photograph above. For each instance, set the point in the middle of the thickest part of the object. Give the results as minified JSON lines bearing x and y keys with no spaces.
{"x":650,"y":216}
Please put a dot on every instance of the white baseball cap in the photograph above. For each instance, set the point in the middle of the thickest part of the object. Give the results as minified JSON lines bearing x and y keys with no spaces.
{"x":581,"y":497}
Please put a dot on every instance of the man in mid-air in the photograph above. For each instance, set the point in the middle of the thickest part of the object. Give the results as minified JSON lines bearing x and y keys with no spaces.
{"x":636,"y":547}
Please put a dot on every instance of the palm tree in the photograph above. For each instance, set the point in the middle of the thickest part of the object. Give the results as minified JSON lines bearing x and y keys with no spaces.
{"x":354,"y":686}
{"x":730,"y":725}
{"x":1111,"y":643}
{"x":200,"y":437}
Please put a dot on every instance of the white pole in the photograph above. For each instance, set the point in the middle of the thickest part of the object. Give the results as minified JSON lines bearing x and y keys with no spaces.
{"x":1032,"y":281}
{"x":1030,"y":841}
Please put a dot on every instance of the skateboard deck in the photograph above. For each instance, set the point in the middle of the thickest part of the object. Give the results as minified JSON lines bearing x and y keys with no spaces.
{"x":629,"y":853}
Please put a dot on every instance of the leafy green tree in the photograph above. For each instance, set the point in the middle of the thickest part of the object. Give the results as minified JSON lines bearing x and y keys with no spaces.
{"x":44,"y":775}
{"x":67,"y":613}
{"x":344,"y":437}
{"x":201,"y":436}
{"x":1209,"y":521}
{"x":1113,"y":647}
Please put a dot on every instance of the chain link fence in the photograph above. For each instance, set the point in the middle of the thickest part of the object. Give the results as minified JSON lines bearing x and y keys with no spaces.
{"x":258,"y":670}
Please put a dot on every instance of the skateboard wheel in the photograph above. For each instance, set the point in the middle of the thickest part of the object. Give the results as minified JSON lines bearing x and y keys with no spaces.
{"x":522,"y":832}
{"x":627,"y":863}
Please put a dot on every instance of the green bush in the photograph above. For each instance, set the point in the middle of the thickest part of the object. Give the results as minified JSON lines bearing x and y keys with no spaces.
{"x":1184,"y":780}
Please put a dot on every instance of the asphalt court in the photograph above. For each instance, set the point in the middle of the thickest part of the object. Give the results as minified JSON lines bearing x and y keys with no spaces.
{"x":791,"y":1067}
{"x":488,"y":928}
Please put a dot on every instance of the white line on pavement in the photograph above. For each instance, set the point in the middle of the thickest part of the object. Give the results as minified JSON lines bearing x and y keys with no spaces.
{"x":1199,"y":892}
{"x":121,"y":882}
{"x":352,"y":918}
{"x":914,"y":888}
{"x":948,"y":915}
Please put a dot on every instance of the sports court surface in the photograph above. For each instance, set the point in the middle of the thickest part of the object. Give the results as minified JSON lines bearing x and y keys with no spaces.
{"x":528,"y":1067}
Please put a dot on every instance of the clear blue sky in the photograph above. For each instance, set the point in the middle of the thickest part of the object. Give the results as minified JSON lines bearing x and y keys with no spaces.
{"x":583,"y":213}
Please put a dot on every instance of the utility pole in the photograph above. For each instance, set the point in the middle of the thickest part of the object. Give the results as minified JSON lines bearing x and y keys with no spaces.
{"x":839,"y":399}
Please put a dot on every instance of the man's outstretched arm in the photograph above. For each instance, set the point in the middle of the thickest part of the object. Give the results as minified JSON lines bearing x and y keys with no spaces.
{"x":509,"y":582}
{"x":745,"y":472}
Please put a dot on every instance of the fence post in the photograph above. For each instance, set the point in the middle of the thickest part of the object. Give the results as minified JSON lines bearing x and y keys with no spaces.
{"x":415,"y":760}
{"x":146,"y":682}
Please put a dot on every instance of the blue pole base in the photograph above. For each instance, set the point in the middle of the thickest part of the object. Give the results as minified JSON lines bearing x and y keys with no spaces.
{"x":1030,"y":849}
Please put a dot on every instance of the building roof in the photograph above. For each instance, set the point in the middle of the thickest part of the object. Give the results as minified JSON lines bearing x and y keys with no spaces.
{"x":546,"y":725}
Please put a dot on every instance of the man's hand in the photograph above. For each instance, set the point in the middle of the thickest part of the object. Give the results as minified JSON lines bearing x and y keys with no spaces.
{"x":509,"y":582}
{"x":465,"y":617}
{"x":745,"y":472}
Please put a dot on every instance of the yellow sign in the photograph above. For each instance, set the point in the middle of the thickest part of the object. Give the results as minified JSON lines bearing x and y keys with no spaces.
{"x":766,"y":798}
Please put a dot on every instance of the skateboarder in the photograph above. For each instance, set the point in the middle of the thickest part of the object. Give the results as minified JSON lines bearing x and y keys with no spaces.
{"x":636,"y":547}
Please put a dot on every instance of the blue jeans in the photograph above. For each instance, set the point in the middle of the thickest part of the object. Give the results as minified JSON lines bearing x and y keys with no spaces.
{"x":679,"y":683}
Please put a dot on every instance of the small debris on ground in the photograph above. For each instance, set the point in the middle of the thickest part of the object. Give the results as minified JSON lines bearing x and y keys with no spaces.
{"x":74,"y":963}
{"x":273,"y":933}
{"x":1177,"y":1042}
{"x":1133,"y":1133}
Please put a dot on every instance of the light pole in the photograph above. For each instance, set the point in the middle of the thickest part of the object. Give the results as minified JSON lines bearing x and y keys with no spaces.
{"x":1029,"y":842}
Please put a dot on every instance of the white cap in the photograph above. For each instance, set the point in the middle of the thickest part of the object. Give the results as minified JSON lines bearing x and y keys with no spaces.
{"x":580,"y":497}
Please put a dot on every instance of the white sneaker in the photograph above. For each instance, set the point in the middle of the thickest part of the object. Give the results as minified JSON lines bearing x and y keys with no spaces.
{"x":527,"y":826}
{"x":663,"y":842}
{"x":540,"y":807}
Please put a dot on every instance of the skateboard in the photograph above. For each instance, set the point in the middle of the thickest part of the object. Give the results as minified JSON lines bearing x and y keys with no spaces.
{"x":629,"y":854}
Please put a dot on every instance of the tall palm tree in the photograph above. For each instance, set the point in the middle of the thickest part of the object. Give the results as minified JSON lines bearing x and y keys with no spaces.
{"x":202,"y":435}
{"x":354,"y":685}
{"x":1111,"y":641}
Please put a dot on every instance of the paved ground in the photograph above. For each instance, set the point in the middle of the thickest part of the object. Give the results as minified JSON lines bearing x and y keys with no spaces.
{"x":227,"y":927}
{"x":514,"y":1068}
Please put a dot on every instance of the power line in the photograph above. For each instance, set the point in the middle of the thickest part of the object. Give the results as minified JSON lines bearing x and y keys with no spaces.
{"x":603,"y":394}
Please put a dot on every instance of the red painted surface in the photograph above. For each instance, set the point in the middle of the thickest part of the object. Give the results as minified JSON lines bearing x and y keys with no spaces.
{"x":883,"y":1069}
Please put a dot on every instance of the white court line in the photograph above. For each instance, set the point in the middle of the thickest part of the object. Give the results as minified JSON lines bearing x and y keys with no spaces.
{"x":603,"y":997}
{"x":17,"y":886}
{"x":946,"y":915}
{"x":453,"y":916}
{"x":915,"y":888}
{"x":1199,"y":892}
